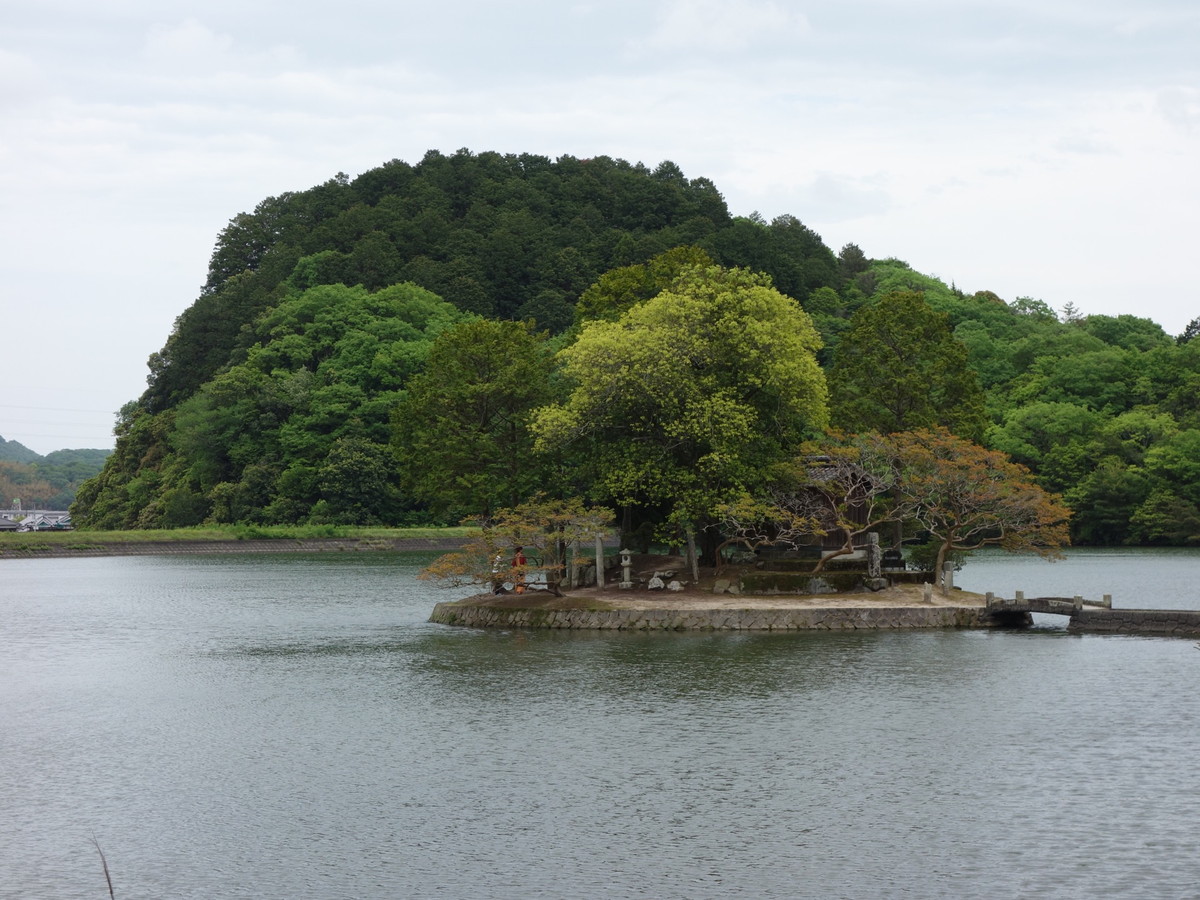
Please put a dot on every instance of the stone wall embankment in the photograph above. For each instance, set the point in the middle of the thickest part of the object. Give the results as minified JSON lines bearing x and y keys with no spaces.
{"x":666,"y":619}
{"x":1169,"y":622}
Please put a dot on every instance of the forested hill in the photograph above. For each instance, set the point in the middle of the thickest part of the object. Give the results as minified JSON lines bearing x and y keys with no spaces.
{"x":341,"y":328}
{"x":15,"y":451}
{"x":512,"y":237}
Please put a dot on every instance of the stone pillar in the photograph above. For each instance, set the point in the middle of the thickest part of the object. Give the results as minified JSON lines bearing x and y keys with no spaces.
{"x":947,"y":578}
{"x":874,"y":556}
{"x":599,"y":560}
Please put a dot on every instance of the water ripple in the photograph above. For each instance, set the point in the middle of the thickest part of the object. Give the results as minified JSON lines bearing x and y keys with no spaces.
{"x":294,"y":728}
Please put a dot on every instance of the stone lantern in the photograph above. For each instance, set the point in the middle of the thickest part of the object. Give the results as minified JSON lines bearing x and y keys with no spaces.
{"x":626,"y":570}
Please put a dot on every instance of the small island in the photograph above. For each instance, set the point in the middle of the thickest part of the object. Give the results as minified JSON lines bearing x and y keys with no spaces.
{"x":901,"y":607}
{"x":745,"y":597}
{"x":644,"y":595}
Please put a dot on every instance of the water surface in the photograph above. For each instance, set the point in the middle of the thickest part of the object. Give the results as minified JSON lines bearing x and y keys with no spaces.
{"x":291,"y":727}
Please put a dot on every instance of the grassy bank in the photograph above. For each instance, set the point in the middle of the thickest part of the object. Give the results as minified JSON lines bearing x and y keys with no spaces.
{"x":34,"y":542}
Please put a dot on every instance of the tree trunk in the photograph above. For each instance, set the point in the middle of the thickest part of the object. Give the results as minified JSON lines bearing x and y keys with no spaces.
{"x":846,"y":549}
{"x":939,"y":577}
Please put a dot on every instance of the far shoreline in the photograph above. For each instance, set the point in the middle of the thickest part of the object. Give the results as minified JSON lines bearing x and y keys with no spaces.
{"x":78,"y":544}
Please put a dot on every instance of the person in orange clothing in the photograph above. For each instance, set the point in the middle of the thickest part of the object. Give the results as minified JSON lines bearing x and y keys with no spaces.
{"x":518,"y":567}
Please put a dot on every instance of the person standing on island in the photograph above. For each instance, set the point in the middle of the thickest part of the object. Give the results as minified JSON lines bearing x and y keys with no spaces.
{"x":518,"y":567}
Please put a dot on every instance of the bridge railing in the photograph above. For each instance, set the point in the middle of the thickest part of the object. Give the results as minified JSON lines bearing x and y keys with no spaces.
{"x":1063,"y":606}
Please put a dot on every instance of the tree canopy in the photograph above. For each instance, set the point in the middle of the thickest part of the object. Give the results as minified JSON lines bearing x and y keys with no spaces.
{"x":297,"y":431}
{"x":689,"y":397}
{"x":462,"y":430}
{"x":967,"y":497}
{"x":899,"y":367}
{"x":507,"y":236}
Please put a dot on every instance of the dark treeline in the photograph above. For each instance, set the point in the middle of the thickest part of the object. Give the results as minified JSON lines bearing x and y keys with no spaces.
{"x":374,"y":351}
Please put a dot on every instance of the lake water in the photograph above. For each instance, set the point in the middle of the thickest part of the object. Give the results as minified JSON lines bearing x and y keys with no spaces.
{"x":292,"y":727}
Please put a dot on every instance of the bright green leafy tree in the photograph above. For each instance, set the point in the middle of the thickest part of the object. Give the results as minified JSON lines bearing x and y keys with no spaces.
{"x":688,"y":398}
{"x":618,"y":290}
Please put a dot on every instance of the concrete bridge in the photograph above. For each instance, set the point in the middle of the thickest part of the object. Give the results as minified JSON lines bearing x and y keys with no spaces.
{"x":1086,"y":616}
{"x":1062,"y":606}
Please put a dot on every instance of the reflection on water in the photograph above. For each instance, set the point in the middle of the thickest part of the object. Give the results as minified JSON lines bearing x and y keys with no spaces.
{"x":293,"y":727}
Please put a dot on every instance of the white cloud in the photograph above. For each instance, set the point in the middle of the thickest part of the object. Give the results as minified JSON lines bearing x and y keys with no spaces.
{"x":21,"y":82}
{"x":189,"y":43}
{"x":1084,"y":143}
{"x":1180,"y":106}
{"x":723,"y":25}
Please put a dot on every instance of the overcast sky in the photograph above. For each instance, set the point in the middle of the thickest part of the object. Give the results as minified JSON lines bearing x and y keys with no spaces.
{"x":1041,"y":148}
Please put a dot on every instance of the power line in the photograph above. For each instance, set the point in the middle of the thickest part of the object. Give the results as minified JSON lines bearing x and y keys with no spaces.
{"x":107,"y":412}
{"x":10,"y":423}
{"x":33,"y":434}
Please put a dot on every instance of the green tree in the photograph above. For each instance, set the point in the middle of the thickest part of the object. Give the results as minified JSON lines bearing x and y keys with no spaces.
{"x":310,"y":399}
{"x":1102,"y":380}
{"x":899,"y":368}
{"x":617,"y":290}
{"x":1175,"y":461}
{"x":1105,"y":501}
{"x":1165,"y":518}
{"x":688,"y":398}
{"x":1126,"y":331}
{"x":1190,"y":332}
{"x":1055,"y":440}
{"x":852,"y":262}
{"x":462,"y":432}
{"x":357,"y":483}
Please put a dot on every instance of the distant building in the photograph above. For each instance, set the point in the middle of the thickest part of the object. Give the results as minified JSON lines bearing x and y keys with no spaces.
{"x":18,"y":519}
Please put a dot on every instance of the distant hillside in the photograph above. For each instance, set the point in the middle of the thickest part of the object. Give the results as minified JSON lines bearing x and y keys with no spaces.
{"x":45,"y":482}
{"x":12,"y":451}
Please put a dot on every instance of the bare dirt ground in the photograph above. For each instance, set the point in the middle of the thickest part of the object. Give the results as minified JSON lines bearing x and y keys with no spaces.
{"x":896,"y":596}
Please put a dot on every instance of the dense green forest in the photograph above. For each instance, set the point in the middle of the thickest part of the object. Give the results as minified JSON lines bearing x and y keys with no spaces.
{"x":443,"y":339}
{"x":44,"y":482}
